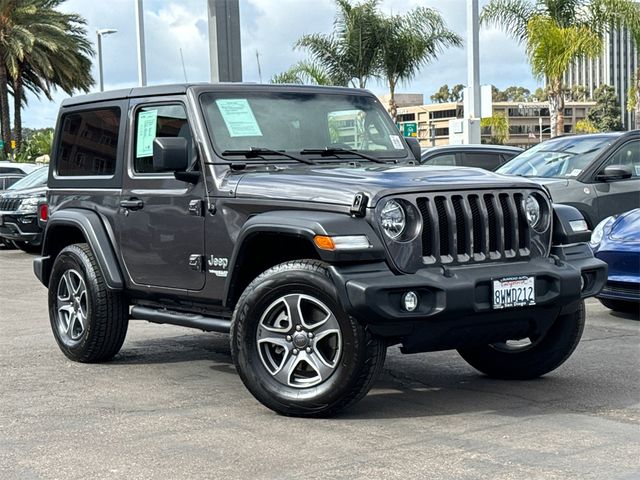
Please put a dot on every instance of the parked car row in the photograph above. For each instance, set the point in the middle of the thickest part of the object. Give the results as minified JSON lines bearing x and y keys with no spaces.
{"x":19,"y":225}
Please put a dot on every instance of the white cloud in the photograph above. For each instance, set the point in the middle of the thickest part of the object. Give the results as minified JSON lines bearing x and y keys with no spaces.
{"x":269,"y":27}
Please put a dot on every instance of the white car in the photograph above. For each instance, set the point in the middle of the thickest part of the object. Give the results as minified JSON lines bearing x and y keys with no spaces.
{"x":15,"y":167}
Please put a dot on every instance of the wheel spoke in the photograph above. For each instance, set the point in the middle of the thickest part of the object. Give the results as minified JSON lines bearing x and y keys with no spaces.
{"x":265,"y":336}
{"x":322,"y":369}
{"x":329,"y":324}
{"x":283,"y":375}
{"x":71,"y":324}
{"x":65,"y":287}
{"x":293,"y":308}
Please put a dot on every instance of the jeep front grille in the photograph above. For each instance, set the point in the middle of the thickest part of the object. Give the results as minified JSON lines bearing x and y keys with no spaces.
{"x":474,"y":227}
{"x":9,"y":204}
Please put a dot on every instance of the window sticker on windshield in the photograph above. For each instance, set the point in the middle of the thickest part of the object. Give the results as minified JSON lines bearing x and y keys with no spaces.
{"x":147,"y":124}
{"x":396,"y":142}
{"x":575,"y":172}
{"x":239,"y":118}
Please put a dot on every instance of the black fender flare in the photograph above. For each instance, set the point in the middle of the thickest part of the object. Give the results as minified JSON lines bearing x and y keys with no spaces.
{"x":563,"y":234}
{"x":95,"y":233}
{"x":306,"y":225}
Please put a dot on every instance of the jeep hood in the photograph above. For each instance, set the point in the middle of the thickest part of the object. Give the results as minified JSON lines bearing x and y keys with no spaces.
{"x":339,"y":185}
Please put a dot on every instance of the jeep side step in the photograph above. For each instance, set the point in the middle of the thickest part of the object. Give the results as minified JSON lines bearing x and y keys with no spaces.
{"x":191,"y":320}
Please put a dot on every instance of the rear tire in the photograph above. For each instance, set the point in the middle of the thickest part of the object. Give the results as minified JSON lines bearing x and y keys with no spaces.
{"x":621,"y":305}
{"x":542,"y":356}
{"x":88,"y":320}
{"x":294,"y":347}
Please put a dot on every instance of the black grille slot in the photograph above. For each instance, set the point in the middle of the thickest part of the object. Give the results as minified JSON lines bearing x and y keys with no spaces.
{"x":508,"y":221}
{"x":523,"y":225}
{"x":9,"y":204}
{"x":427,"y":228}
{"x":464,"y":228}
{"x":477,"y":224}
{"x":443,"y":226}
{"x":493,"y":225}
{"x":461,"y":229}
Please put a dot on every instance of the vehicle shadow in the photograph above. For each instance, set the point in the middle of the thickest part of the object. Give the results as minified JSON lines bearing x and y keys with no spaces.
{"x":422,"y":385}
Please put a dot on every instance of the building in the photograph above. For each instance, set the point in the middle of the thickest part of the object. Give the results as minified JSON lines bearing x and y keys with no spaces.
{"x":615,"y":66}
{"x":432,"y":121}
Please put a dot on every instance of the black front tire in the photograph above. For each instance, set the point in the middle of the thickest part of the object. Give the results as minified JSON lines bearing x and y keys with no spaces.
{"x":542,"y":356}
{"x":101,"y":333}
{"x":621,"y":305}
{"x":355,"y":369}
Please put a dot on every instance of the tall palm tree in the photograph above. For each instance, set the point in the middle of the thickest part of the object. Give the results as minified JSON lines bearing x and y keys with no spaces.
{"x":542,"y":24}
{"x":41,"y":49}
{"x":349,"y":54}
{"x":407,"y":43}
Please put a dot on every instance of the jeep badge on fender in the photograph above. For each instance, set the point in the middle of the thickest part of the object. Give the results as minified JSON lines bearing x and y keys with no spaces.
{"x":294,"y":219}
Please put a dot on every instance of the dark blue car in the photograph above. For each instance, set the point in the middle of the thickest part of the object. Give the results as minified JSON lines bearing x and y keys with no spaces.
{"x":616,"y":240}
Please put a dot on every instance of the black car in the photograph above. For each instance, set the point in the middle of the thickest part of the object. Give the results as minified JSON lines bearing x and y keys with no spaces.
{"x":599,"y":174}
{"x":18,"y":211}
{"x":294,"y":219}
{"x":488,"y":157}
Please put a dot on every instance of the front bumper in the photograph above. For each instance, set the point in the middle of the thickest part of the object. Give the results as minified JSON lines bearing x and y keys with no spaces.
{"x":21,"y":228}
{"x":455,"y":308}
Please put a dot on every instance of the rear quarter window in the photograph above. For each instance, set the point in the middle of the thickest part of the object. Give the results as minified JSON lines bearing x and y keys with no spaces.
{"x":88,"y":143}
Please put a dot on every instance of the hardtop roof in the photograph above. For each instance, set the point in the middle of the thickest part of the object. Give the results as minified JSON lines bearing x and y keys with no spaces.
{"x":181,"y":88}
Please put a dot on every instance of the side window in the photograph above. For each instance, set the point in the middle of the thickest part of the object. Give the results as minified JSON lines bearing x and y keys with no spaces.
{"x":446,"y":159}
{"x":627,"y":155}
{"x":89,"y":143}
{"x":488,"y":161}
{"x":158,"y":121}
{"x":10,"y":170}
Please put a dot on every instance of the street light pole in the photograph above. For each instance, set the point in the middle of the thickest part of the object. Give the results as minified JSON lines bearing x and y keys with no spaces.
{"x":142,"y":59}
{"x":100,"y":33}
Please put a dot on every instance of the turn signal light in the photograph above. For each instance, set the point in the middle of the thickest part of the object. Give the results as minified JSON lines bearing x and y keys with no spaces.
{"x":342,"y":242}
{"x":324,"y":243}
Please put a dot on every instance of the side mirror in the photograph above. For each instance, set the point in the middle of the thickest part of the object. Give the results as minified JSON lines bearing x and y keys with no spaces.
{"x":414,"y":146}
{"x":170,"y":154}
{"x":614,"y":172}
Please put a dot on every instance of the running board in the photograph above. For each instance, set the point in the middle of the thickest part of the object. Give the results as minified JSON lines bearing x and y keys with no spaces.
{"x":191,"y":320}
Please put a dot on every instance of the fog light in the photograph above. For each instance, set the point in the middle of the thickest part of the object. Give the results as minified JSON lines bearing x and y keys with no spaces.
{"x":582,"y":282}
{"x":410,"y":301}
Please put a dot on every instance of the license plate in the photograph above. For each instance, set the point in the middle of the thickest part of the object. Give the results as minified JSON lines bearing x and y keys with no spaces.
{"x":514,"y":292}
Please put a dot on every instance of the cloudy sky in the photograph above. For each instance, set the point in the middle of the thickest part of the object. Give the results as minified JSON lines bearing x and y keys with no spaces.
{"x":269,"y":27}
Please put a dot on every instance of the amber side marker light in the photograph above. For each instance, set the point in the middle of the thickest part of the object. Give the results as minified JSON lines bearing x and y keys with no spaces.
{"x":342,"y":242}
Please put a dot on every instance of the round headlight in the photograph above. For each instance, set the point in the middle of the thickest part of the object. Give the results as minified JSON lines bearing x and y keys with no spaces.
{"x":393,"y":219}
{"x":598,"y":233}
{"x":532,"y":209}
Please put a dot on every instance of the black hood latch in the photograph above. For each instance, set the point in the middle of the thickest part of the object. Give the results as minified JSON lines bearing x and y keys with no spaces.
{"x":359,"y":205}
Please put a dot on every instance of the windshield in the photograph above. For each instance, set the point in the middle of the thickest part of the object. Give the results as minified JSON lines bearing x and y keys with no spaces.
{"x":34,"y":179}
{"x":560,"y":158}
{"x":300,"y":122}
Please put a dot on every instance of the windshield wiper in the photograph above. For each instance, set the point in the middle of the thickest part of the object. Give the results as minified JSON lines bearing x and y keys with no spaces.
{"x":259,"y":152}
{"x":335,"y":152}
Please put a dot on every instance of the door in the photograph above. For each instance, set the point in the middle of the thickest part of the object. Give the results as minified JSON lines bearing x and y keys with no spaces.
{"x":161,"y":226}
{"x":619,"y":196}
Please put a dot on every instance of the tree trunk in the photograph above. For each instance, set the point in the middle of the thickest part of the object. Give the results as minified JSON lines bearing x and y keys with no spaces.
{"x":637,"y":109}
{"x":5,"y":122}
{"x":393,"y":107}
{"x":17,"y":111}
{"x":556,"y":108}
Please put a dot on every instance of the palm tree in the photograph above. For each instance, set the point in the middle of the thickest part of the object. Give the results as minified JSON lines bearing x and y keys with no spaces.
{"x":306,"y":73}
{"x":407,"y":43}
{"x":554,"y":25}
{"x":349,"y":54}
{"x":40,"y":49}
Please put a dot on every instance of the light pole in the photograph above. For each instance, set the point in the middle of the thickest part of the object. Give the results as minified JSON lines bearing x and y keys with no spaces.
{"x":142,"y":56}
{"x":100,"y":32}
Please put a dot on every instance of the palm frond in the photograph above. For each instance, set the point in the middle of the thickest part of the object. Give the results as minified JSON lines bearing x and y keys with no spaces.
{"x":511,"y":16}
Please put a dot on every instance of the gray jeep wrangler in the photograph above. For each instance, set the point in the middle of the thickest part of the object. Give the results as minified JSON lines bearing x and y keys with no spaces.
{"x":296,"y":219}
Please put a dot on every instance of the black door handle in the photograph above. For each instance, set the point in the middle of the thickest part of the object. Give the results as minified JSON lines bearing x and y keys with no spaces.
{"x":132,"y":204}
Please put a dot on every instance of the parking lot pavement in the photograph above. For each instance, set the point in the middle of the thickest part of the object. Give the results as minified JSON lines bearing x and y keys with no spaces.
{"x":171,"y":406}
